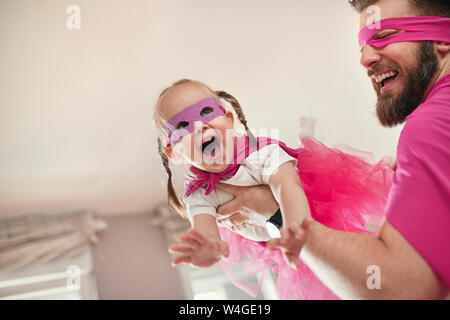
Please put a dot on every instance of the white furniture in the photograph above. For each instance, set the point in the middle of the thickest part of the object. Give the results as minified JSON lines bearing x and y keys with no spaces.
{"x":65,"y":278}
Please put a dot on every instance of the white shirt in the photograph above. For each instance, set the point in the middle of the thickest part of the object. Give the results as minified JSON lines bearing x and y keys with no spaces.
{"x":256,"y":169}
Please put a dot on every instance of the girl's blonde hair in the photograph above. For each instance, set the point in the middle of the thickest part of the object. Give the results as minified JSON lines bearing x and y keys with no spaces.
{"x":172,"y":196}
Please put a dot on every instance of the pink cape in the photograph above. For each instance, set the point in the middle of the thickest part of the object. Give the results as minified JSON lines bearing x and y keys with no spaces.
{"x":346,"y":191}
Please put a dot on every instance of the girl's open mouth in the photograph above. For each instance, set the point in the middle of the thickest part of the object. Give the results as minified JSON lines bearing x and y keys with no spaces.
{"x":207,"y":143}
{"x":211,"y":147}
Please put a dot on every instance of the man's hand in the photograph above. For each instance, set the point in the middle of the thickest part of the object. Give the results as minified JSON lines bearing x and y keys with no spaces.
{"x":199,"y":250}
{"x":236,"y":222}
{"x":256,"y":198}
{"x":291,"y":242}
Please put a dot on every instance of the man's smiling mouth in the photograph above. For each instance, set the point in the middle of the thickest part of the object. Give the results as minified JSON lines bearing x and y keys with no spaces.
{"x":383,"y":79}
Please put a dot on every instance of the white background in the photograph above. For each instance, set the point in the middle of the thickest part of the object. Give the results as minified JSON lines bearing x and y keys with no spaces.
{"x":76,"y":105}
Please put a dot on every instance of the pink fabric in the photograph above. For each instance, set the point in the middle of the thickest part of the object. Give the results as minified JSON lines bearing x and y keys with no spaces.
{"x":419,"y":203}
{"x":414,"y":29}
{"x":202,"y":177}
{"x":344,"y":191}
{"x":242,"y":151}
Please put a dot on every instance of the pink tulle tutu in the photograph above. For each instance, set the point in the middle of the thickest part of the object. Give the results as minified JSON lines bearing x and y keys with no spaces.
{"x":346,"y":190}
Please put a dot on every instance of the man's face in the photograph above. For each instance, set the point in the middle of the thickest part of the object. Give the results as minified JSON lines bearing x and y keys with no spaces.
{"x":401,"y":73}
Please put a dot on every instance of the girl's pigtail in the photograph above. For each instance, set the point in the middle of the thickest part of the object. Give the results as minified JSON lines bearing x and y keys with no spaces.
{"x":240,"y":114}
{"x":172,"y":196}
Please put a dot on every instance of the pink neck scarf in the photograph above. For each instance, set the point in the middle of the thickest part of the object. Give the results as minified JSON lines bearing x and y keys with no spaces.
{"x":414,"y":29}
{"x":243,"y":150}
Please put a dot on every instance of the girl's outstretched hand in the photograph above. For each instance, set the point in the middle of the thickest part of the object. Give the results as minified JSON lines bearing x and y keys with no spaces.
{"x":198,"y":250}
{"x":291,"y":242}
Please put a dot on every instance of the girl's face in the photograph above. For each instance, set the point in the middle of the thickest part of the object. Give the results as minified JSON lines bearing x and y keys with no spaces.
{"x":210,"y":146}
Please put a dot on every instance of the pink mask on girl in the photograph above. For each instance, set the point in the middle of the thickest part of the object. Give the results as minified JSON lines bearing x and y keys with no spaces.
{"x":414,"y":29}
{"x":182,"y":123}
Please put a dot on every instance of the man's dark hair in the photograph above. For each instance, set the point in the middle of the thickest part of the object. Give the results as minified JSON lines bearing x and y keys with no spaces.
{"x":424,"y":7}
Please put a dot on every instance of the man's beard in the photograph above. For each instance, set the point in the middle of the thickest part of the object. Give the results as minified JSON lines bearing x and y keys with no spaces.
{"x":393,"y":110}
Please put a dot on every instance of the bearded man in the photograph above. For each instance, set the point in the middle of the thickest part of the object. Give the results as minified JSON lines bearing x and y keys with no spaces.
{"x":406,"y":51}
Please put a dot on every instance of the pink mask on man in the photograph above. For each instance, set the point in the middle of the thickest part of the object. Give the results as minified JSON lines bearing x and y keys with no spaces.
{"x":413,"y":29}
{"x":182,"y":124}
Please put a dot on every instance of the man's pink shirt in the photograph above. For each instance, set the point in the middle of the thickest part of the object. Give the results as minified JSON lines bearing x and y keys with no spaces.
{"x":419,"y":201}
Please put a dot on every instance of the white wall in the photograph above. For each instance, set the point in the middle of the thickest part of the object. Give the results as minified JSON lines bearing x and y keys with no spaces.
{"x":75,"y":105}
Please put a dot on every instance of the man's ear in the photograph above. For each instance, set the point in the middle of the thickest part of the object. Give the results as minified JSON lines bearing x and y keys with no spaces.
{"x":442,"y":47}
{"x":168,"y":152}
{"x":229,"y":115}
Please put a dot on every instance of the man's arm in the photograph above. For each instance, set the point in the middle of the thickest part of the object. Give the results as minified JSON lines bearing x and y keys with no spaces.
{"x":341,"y":260}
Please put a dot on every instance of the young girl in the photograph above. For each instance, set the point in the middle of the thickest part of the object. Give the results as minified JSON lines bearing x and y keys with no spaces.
{"x":344,"y":191}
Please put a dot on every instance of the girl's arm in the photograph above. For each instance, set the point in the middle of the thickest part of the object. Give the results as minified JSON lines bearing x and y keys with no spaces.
{"x":202,"y":245}
{"x":206,"y":224}
{"x":287,"y":190}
